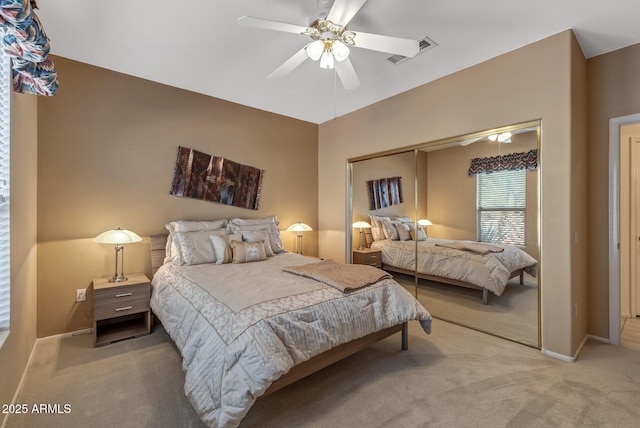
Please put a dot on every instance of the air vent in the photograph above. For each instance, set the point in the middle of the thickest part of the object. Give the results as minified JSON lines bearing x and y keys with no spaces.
{"x":425,"y":44}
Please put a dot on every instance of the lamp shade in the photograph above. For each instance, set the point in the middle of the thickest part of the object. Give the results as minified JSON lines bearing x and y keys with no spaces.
{"x":299,"y":227}
{"x":117,"y":236}
{"x":361,"y":225}
{"x":340,"y":50}
{"x":315,"y":50}
{"x":424,"y":222}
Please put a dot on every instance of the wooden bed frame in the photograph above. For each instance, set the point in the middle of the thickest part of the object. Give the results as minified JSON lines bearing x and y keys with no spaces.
{"x":485,"y":292}
{"x":158,"y":244}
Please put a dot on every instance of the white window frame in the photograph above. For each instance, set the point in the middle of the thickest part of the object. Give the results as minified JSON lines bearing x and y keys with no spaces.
{"x":518,"y":205}
{"x":5,"y":149}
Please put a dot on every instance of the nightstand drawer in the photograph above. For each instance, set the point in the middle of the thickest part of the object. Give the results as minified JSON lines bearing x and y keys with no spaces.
{"x":120,"y":308}
{"x":116,"y":295}
{"x":368,"y":257}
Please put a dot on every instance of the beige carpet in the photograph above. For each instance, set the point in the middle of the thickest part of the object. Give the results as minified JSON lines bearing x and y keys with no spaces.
{"x":456,"y":377}
{"x":513,"y":315}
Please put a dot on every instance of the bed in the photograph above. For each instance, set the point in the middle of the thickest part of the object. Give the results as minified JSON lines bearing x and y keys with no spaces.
{"x":247,"y":329}
{"x":486,"y":267}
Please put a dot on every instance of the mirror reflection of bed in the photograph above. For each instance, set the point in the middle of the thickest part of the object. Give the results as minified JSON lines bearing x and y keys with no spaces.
{"x":438,"y":186}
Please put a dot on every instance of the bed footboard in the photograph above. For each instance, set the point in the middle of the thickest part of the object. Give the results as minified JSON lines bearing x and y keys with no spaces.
{"x":336,"y":354}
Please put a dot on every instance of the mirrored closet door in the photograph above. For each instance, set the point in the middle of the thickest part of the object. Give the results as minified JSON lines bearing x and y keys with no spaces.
{"x":462,"y":235}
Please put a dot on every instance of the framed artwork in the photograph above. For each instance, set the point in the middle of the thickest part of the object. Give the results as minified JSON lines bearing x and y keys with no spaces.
{"x":384,"y":192}
{"x":215,"y":179}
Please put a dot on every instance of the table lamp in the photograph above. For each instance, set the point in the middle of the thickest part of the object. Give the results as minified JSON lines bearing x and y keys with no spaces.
{"x":119,"y":237}
{"x":299,"y":228}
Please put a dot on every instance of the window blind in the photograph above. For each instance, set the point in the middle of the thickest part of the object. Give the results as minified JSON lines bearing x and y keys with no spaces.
{"x":5,"y":145}
{"x":502,"y":203}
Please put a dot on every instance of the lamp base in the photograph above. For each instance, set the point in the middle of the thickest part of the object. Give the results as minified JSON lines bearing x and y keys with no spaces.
{"x":118,"y":278}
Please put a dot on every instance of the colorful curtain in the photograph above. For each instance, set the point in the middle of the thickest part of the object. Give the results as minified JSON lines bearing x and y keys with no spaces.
{"x":28,"y":46}
{"x":511,"y":162}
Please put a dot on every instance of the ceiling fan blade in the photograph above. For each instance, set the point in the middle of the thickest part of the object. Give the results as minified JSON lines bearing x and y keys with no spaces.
{"x":392,"y":45}
{"x":289,"y":65}
{"x":343,"y":10}
{"x":267,"y":24}
{"x":347,"y":74}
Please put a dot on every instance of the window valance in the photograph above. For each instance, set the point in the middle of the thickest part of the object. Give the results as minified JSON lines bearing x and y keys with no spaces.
{"x":25,"y":41}
{"x":511,"y":162}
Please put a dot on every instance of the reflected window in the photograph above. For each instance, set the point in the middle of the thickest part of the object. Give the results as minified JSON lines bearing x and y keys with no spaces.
{"x":501,"y":208}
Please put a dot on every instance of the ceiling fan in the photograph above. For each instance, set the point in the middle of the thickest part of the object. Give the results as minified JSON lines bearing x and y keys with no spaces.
{"x":331,"y":40}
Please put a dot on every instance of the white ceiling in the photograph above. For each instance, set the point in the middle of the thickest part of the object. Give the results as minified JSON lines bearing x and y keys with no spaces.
{"x":197,"y":45}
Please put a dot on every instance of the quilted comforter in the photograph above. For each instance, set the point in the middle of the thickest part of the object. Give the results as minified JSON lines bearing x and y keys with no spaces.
{"x":240,"y":327}
{"x":491,"y":271}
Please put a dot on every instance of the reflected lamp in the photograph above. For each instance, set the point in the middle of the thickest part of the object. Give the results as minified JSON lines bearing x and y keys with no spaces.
{"x":361,"y":225}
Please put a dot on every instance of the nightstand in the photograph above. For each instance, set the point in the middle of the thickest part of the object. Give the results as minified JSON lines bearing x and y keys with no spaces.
{"x":121,"y":309}
{"x":368,"y":256}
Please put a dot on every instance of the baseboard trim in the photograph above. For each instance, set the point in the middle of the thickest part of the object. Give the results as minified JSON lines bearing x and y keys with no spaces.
{"x":69,"y":334}
{"x":558,"y":356}
{"x":573,"y":359}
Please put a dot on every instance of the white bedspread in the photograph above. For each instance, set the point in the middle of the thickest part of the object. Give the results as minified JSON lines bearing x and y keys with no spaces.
{"x":240,"y":327}
{"x":490,"y":271}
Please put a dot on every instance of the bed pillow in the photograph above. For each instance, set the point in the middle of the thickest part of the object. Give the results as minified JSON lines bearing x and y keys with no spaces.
{"x":246,"y":252}
{"x":421,"y":235}
{"x":404,"y":231}
{"x":390,"y":230}
{"x":192,"y":226}
{"x":377,"y":230}
{"x":259,"y":235}
{"x":267,"y":224}
{"x":253,"y":221}
{"x":222,"y":248}
{"x":194,"y":248}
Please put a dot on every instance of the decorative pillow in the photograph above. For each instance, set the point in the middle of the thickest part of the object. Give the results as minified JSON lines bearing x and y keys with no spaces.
{"x":193,"y":248}
{"x":258,"y":235}
{"x":404,"y":219}
{"x":390,"y":231}
{"x":268,"y":225}
{"x":191,"y":226}
{"x":404,"y":231}
{"x":222,"y":249}
{"x":422,"y":236}
{"x":246,"y":252}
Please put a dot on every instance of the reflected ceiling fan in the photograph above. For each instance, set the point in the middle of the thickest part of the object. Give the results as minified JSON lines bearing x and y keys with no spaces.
{"x":331,"y":40}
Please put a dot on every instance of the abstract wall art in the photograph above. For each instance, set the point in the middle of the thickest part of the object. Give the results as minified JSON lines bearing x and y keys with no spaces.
{"x":215,"y":179}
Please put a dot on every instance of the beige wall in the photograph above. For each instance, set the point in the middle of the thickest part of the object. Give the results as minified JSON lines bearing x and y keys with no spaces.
{"x":614,"y":91}
{"x":16,"y":351}
{"x":579,"y":196}
{"x":107,"y":150}
{"x":530,"y":83}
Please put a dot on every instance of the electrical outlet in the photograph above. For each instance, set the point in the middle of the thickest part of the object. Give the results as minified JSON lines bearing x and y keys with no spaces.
{"x":81,"y":294}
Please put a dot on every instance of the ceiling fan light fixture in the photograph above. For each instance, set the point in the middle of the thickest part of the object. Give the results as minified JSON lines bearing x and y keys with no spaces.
{"x":315,"y":50}
{"x":340,"y":50}
{"x":327,"y":61}
{"x":505,"y":137}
